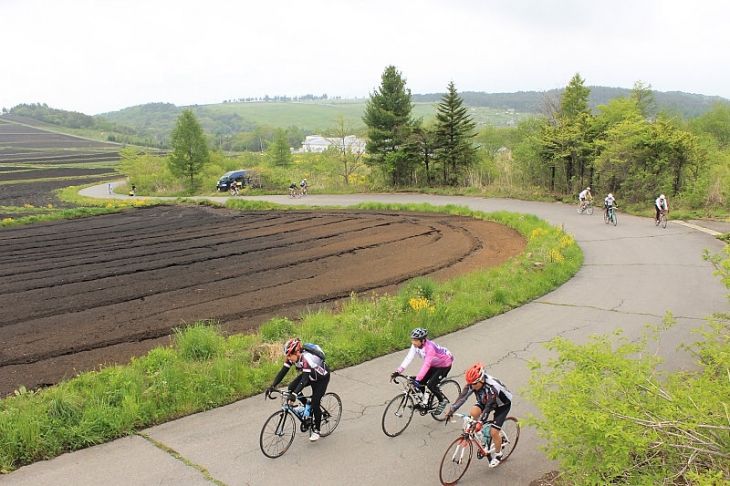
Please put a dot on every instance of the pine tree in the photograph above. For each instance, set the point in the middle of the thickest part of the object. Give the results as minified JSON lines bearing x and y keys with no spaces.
{"x":189,"y":148}
{"x":454,"y":132}
{"x":279,"y":152}
{"x":388,"y":118}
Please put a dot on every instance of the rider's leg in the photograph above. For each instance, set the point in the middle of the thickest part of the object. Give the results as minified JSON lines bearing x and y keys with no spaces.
{"x":319,"y":388}
{"x":433,"y":378}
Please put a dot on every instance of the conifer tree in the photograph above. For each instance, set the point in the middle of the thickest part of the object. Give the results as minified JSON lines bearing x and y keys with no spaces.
{"x":454,"y":131}
{"x":388,"y":118}
{"x":189,"y":148}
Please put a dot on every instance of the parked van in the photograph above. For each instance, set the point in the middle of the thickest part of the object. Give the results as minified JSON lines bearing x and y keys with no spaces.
{"x":224,"y":183}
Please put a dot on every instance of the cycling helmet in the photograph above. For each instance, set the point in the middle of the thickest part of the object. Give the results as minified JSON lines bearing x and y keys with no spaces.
{"x":662,"y":197}
{"x":588,"y":188}
{"x":419,"y":333}
{"x":475,"y":373}
{"x":610,"y":195}
{"x":293,"y":345}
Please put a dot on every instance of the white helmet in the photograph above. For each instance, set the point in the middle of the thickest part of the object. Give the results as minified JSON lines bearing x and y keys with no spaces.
{"x":662,"y":197}
{"x":588,"y":188}
{"x":610,"y":195}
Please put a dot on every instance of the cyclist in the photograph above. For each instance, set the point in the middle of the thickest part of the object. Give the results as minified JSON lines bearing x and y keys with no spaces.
{"x":314,"y":372}
{"x":491,"y":395}
{"x":584,"y":195}
{"x":437,"y":362}
{"x":609,"y":202}
{"x":293,"y":189}
{"x":661,"y":206}
{"x":303,"y":186}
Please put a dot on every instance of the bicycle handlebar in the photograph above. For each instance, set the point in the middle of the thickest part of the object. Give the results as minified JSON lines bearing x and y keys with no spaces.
{"x":394,"y":379}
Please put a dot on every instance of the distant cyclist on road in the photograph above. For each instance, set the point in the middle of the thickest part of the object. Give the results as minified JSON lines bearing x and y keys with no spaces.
{"x":491,"y":395}
{"x":660,"y":205}
{"x":293,"y":189}
{"x":437,"y":362}
{"x":303,"y":186}
{"x":584,"y":196}
{"x":314,"y":372}
{"x":609,"y":202}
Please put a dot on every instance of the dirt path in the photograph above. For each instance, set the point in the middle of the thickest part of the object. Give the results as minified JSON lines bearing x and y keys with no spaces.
{"x":77,"y":294}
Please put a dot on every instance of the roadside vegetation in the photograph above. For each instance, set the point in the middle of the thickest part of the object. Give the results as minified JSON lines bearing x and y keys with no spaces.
{"x":611,"y":415}
{"x":203,"y":369}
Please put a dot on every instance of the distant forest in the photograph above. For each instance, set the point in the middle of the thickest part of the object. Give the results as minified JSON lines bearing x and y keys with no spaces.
{"x":686,"y":104}
{"x":150,"y":124}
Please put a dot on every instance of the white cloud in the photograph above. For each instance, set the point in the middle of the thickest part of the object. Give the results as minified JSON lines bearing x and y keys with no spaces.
{"x":94,"y":56}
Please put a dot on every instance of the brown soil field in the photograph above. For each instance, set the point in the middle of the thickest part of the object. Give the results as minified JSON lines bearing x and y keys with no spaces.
{"x":76,"y":294}
{"x":52,"y":173}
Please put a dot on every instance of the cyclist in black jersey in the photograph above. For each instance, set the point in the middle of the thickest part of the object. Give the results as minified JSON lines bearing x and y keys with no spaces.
{"x":491,"y":395}
{"x":313,"y":372}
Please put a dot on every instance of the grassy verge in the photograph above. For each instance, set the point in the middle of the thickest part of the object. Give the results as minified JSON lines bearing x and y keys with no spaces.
{"x":205,"y":369}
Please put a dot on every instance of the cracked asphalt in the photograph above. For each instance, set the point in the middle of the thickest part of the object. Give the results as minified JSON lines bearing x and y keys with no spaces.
{"x":633,"y":275}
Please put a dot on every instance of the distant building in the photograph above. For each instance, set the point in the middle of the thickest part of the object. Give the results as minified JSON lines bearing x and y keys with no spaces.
{"x":318,"y":144}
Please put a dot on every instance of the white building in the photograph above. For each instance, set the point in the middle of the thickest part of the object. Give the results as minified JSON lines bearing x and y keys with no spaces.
{"x":318,"y":144}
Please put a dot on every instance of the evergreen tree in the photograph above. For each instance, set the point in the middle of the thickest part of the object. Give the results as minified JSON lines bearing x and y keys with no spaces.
{"x":279,"y":152}
{"x":189,"y":148}
{"x":454,"y":131}
{"x":388,"y":119}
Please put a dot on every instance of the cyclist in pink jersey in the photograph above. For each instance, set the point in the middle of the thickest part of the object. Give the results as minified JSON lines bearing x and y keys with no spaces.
{"x":437,"y":362}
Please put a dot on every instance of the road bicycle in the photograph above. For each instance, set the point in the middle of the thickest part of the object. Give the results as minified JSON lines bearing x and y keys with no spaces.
{"x":293,"y":193}
{"x":234,"y":190}
{"x":400,"y":410}
{"x":457,"y":457}
{"x":662,"y":219}
{"x":304,"y":191}
{"x":609,"y":215}
{"x":586,"y":206}
{"x":279,"y":430}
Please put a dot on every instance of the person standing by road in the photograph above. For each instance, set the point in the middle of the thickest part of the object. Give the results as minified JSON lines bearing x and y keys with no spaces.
{"x":660,"y":205}
{"x":109,"y":187}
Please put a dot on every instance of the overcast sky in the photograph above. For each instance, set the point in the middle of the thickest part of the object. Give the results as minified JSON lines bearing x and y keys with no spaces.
{"x":96,"y":56}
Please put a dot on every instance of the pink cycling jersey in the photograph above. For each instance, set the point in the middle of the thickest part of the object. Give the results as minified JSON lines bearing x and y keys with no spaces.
{"x":434,"y":356}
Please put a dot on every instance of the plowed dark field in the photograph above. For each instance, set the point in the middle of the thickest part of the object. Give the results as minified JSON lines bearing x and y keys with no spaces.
{"x":75,"y":294}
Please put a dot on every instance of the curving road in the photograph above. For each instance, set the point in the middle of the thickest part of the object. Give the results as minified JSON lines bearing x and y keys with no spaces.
{"x":633,"y":274}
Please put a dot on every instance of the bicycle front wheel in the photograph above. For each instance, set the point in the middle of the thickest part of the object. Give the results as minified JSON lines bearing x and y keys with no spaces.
{"x":398,"y":415}
{"x":510,"y":436}
{"x":451,"y":390}
{"x":664,"y":221}
{"x":614,"y":218}
{"x":277,"y":434}
{"x":331,"y":407}
{"x":456,"y":461}
{"x":589,"y":209}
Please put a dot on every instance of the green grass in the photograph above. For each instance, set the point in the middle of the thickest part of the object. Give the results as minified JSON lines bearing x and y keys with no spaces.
{"x":203,"y":369}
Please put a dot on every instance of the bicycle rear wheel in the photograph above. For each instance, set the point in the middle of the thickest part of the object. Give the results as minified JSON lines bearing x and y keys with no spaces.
{"x":331,"y":407}
{"x":510,"y":436}
{"x":580,"y":208}
{"x":456,"y":461}
{"x":606,"y":217}
{"x":589,"y":209}
{"x":398,"y":415}
{"x":277,"y":434}
{"x":451,"y":390}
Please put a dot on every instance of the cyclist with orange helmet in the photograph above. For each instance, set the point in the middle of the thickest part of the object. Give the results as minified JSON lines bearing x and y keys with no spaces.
{"x":313,"y":372}
{"x":491,"y":395}
{"x":437,"y":362}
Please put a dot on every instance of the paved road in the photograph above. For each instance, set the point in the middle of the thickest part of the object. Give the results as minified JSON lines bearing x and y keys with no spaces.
{"x":633,"y":274}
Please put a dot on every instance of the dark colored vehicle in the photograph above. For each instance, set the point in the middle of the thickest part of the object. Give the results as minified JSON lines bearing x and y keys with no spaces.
{"x":224,"y":183}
